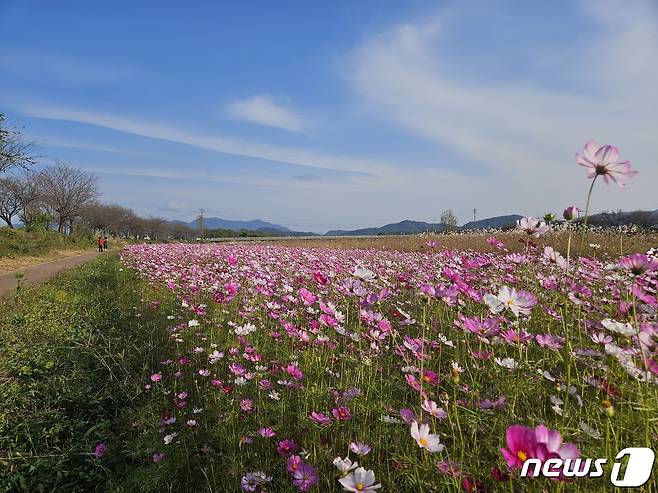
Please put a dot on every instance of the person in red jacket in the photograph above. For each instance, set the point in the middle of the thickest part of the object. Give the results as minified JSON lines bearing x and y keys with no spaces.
{"x":101,"y":243}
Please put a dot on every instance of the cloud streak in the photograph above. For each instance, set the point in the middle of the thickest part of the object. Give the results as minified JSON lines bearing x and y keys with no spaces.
{"x":262,"y":109}
{"x":228,"y":145}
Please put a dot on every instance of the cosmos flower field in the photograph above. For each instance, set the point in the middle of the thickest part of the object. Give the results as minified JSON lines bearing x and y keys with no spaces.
{"x":316,"y":369}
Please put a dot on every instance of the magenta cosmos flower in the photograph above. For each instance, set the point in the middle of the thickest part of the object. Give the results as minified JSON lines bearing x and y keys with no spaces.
{"x":305,"y":477}
{"x":541,"y":443}
{"x":604,"y":161}
{"x":342,"y":413}
{"x":521,"y":445}
{"x":100,"y":450}
{"x":638,"y":264}
{"x":570,"y":213}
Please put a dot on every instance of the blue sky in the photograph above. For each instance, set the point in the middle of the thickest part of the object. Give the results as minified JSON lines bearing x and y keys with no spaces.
{"x":321,"y":115}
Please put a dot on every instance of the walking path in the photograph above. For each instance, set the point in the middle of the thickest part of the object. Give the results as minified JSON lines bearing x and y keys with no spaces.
{"x":42,"y":272}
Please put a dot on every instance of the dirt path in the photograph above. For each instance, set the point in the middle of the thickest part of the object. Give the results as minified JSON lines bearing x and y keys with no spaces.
{"x":42,"y":272}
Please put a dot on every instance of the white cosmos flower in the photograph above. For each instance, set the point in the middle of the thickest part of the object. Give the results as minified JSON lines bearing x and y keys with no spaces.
{"x":363,"y":273}
{"x":245,"y":329}
{"x":193,"y":323}
{"x":425,"y":439}
{"x":345,"y":465}
{"x":508,"y":363}
{"x":361,"y":481}
{"x":518,"y":302}
{"x":614,"y":326}
{"x":590,"y":431}
{"x":169,"y":438}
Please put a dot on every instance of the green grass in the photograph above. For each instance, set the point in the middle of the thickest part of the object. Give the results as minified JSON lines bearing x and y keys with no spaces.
{"x":20,"y":243}
{"x":72,"y":353}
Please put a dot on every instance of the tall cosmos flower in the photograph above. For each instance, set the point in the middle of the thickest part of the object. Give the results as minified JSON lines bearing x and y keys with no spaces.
{"x":604,"y":161}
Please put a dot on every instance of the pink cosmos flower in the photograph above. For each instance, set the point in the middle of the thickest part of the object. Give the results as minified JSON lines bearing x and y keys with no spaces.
{"x":515,"y":337}
{"x":549,"y":445}
{"x":100,"y":450}
{"x":540,"y":443}
{"x":604,"y":161}
{"x":266,"y":432}
{"x":638,"y":264}
{"x":247,"y":405}
{"x":156,"y":377}
{"x":360,"y":448}
{"x":294,"y":463}
{"x":294,"y":372}
{"x":483,"y":328}
{"x":549,"y":341}
{"x":342,"y":413}
{"x":433,"y":409}
{"x":429,"y":377}
{"x":449,"y":468}
{"x":307,"y":297}
{"x":571,"y":213}
{"x":286,"y":447}
{"x":320,"y":418}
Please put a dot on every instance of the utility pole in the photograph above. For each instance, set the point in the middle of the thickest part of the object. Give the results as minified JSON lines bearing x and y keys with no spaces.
{"x":475,"y":211}
{"x":199,"y":223}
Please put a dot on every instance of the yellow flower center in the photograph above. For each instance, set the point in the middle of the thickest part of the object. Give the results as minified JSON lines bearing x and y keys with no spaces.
{"x":423,"y":441}
{"x":359,"y":486}
{"x":522,"y":455}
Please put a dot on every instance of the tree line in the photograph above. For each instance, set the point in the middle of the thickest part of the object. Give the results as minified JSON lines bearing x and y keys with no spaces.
{"x":61,"y":196}
{"x":65,"y":198}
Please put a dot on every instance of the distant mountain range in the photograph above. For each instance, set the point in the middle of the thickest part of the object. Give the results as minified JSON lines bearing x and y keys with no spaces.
{"x":499,"y":222}
{"x":253,"y":225}
{"x":406,"y":227}
{"x":403,"y":227}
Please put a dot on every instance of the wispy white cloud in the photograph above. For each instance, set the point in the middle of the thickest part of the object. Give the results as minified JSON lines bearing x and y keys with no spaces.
{"x":227,"y":145}
{"x":525,"y":133}
{"x":55,"y":68}
{"x":264,"y":110}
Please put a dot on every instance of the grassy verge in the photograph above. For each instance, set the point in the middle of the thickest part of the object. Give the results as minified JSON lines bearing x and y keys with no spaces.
{"x":72,"y":356}
{"x":20,"y":243}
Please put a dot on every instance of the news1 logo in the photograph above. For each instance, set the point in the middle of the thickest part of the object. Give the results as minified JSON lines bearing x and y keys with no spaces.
{"x":637,"y":472}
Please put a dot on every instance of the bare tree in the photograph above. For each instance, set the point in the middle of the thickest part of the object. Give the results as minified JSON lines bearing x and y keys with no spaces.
{"x":15,"y":150}
{"x":67,"y":191}
{"x":449,"y":219}
{"x":29,"y":194}
{"x":156,"y":227}
{"x":181,"y":231}
{"x":112,"y":219}
{"x":10,"y":202}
